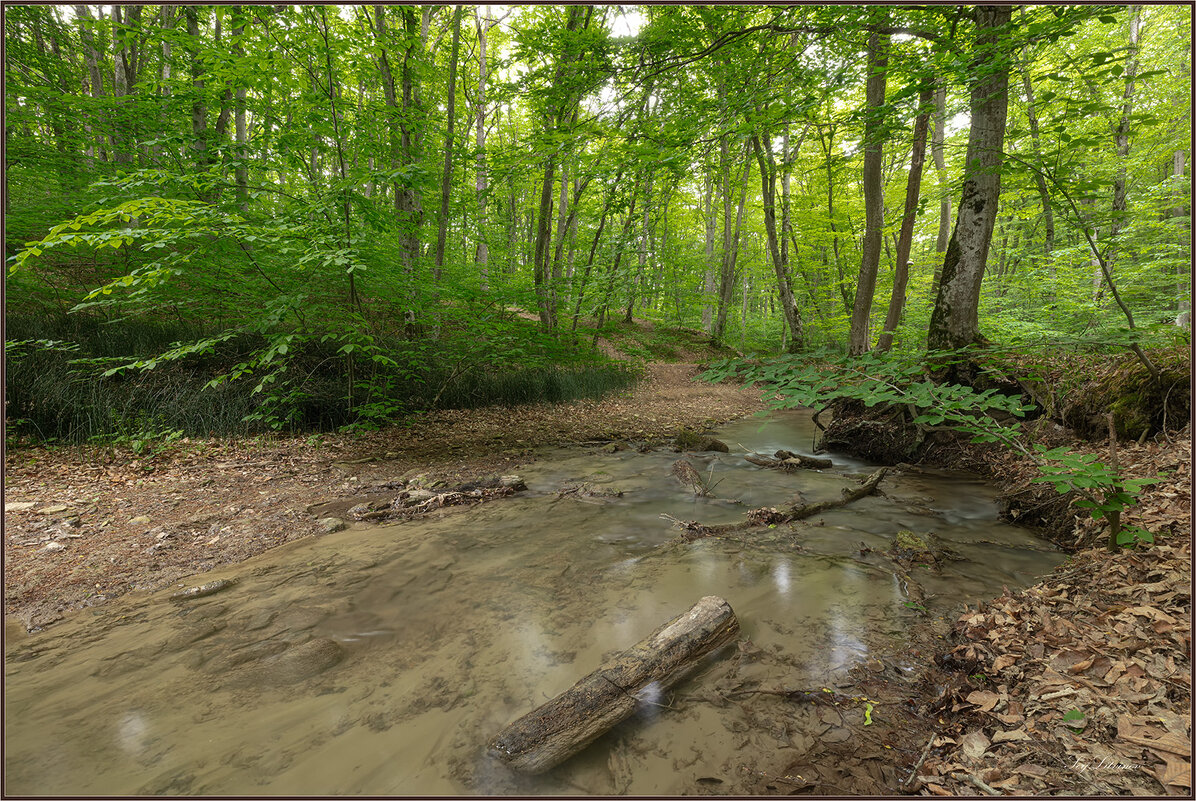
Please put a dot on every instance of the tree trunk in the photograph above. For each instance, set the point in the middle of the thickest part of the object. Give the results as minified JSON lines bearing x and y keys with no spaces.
{"x":565,"y":110}
{"x":1122,"y":136}
{"x":954,"y":323}
{"x":1048,"y":215}
{"x":482,"y":254}
{"x":92,"y":59}
{"x":780,"y":255}
{"x":241,"y":171}
{"x":905,"y":237}
{"x":730,"y":239}
{"x":708,"y":285}
{"x":568,"y":723}
{"x":940,"y":166}
{"x":874,"y":200}
{"x":450,"y":124}
{"x":199,"y":108}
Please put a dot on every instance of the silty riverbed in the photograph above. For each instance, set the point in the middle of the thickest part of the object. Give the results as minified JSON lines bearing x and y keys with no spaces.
{"x":380,"y":659}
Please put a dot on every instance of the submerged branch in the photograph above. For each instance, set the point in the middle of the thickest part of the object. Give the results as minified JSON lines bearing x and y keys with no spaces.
{"x":769,"y":516}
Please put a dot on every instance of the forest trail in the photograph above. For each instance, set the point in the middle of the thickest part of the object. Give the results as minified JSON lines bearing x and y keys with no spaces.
{"x":84,"y":525}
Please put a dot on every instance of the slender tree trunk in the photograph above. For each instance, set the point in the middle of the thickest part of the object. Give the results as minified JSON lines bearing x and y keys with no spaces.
{"x":1122,"y":137}
{"x":92,"y":59}
{"x":1048,"y":215}
{"x":340,"y":157}
{"x":241,"y":171}
{"x":779,"y":253}
{"x":446,"y":179}
{"x":874,"y":200}
{"x":906,"y":236}
{"x":199,"y":108}
{"x":940,"y":166}
{"x":730,"y":238}
{"x":121,"y":144}
{"x":954,"y":323}
{"x":482,"y":254}
{"x":708,"y":285}
{"x":564,"y":111}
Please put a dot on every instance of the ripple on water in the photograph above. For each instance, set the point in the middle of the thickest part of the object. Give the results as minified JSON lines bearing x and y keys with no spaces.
{"x":380,"y":662}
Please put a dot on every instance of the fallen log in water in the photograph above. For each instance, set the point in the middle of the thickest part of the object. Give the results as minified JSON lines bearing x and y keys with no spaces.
{"x":788,"y":461}
{"x":560,"y":728}
{"x":769,"y":516}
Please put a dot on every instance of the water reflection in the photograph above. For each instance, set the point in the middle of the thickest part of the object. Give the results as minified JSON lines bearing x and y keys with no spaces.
{"x":380,"y":662}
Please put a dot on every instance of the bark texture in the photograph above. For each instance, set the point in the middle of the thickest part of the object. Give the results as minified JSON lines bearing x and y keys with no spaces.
{"x":954,"y":323}
{"x":560,"y":728}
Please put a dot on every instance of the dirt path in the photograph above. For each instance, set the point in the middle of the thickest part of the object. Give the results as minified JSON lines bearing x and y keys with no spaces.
{"x":86,"y":525}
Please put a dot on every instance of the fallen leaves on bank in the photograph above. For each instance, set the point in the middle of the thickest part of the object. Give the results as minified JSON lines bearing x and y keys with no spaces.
{"x":1078,"y":685}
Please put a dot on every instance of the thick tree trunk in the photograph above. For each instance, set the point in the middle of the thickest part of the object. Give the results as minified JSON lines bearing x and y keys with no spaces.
{"x":568,"y":723}
{"x":874,"y":199}
{"x":954,"y":323}
{"x":905,"y":237}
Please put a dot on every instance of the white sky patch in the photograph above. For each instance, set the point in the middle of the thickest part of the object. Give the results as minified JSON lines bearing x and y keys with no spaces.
{"x":960,"y":122}
{"x":627,"y":23}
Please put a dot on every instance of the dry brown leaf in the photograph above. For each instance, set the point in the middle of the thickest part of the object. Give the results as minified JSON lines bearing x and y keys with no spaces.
{"x":1003,"y":661}
{"x":973,"y":745}
{"x":1010,"y":736}
{"x":1174,"y":772}
{"x":1167,"y":742}
{"x":1030,"y":769}
{"x":984,"y":699}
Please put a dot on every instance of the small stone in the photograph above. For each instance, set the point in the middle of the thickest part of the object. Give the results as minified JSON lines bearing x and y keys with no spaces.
{"x":393,"y":455}
{"x":19,"y":506}
{"x":54,"y":546}
{"x":140,"y":520}
{"x":54,"y":509}
{"x":328,"y":525}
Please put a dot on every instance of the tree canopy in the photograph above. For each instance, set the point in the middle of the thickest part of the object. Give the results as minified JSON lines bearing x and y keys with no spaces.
{"x":335,"y":204}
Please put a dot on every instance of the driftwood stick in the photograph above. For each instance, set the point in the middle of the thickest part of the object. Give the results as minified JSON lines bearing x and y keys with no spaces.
{"x":787,"y":460}
{"x":917,"y":765}
{"x":560,"y":728}
{"x":767,"y":516}
{"x":866,"y":488}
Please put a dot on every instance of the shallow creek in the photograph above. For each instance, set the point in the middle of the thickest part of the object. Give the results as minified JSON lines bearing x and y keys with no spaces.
{"x":379,"y":660}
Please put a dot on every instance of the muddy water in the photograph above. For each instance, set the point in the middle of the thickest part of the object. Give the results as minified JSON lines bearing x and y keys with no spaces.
{"x":379,"y":660}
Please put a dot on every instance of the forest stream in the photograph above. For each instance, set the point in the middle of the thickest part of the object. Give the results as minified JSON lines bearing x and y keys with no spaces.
{"x":380,"y":659}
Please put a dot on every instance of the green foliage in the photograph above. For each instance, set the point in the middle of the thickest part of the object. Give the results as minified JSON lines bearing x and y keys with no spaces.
{"x":900,"y":382}
{"x":872,"y":379}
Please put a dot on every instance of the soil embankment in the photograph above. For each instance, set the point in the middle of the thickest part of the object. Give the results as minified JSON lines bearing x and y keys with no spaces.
{"x":1081,"y":684}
